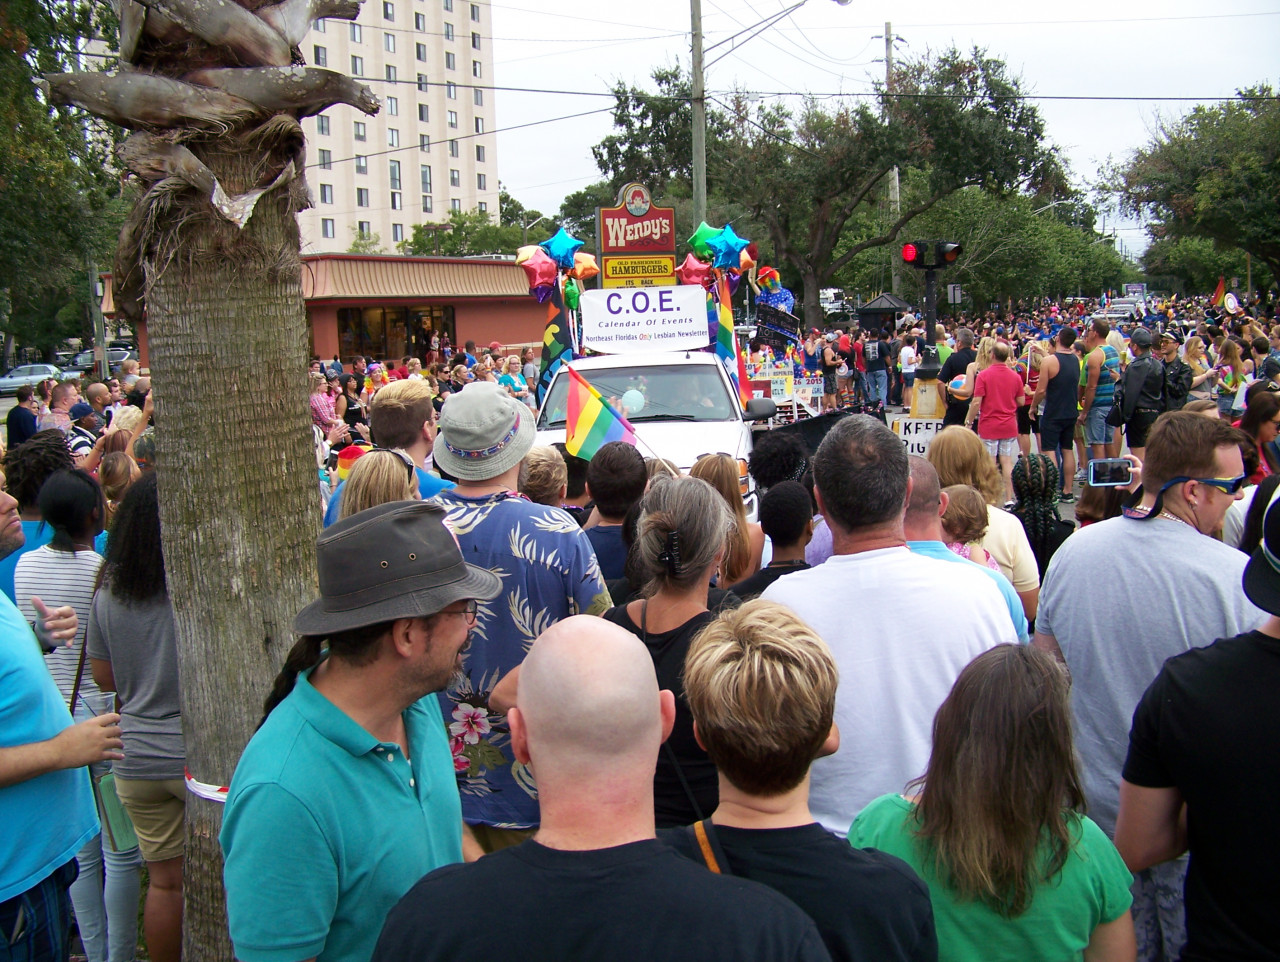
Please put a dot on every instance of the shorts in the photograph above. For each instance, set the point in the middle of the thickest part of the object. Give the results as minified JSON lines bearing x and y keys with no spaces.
{"x":157,"y":807}
{"x":1135,"y":431}
{"x":908,"y":378}
{"x":1026,"y":423}
{"x":828,"y":384}
{"x":1096,"y":429}
{"x":1002,"y":448}
{"x":1057,"y":434}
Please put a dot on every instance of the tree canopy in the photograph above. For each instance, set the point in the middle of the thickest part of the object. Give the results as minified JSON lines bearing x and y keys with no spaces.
{"x":1213,"y":174}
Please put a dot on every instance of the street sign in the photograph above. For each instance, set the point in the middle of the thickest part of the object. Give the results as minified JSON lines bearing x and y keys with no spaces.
{"x":954,"y":294}
{"x":916,"y":433}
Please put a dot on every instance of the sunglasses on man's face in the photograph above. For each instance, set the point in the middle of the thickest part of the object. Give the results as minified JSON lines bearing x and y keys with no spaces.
{"x":1225,"y":485}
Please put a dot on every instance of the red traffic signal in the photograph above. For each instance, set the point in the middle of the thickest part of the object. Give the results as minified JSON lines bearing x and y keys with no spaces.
{"x":913,"y":254}
{"x":946,"y":253}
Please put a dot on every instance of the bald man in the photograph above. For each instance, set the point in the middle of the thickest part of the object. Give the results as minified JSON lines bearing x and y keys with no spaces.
{"x":589,"y":721}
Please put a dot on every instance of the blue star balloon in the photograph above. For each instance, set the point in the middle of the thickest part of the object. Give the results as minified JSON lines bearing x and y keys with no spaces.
{"x":726,"y":248}
{"x":561,"y":248}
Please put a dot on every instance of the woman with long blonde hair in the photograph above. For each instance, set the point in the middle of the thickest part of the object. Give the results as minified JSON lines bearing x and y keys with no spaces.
{"x":960,"y":457}
{"x":1231,"y":376}
{"x":1202,"y":375}
{"x":746,"y":542}
{"x":377,"y":477}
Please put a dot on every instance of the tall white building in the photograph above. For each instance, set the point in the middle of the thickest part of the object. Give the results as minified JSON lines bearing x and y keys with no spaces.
{"x":429,"y":150}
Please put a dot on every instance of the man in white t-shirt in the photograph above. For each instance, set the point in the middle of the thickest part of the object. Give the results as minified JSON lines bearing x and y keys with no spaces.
{"x":901,"y":626}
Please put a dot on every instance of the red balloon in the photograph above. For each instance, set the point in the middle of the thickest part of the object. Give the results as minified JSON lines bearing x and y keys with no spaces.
{"x":541,"y":269}
{"x":693,"y":271}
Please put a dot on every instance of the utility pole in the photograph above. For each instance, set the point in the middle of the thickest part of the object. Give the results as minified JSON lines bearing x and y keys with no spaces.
{"x":699,"y":118}
{"x":894,"y":200}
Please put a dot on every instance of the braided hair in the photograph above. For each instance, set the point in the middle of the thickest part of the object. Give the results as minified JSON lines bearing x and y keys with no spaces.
{"x":356,"y":646}
{"x":1035,"y":483}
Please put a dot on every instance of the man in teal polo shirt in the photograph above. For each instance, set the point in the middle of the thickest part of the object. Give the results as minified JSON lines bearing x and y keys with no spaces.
{"x":346,"y":795}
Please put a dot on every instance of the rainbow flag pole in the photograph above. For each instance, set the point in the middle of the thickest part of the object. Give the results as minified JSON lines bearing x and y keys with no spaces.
{"x":591,"y":421}
{"x":720,"y":305}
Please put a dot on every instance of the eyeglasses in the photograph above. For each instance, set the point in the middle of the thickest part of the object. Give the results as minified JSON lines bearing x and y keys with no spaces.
{"x":1225,"y":485}
{"x":468,"y":611}
{"x":408,"y":461}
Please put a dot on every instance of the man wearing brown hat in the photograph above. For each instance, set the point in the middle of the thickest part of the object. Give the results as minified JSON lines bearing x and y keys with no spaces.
{"x":549,"y":572}
{"x":346,"y":796}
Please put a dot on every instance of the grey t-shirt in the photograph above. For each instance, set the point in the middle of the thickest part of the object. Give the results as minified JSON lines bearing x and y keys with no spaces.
{"x":140,"y":641}
{"x":1121,"y":597}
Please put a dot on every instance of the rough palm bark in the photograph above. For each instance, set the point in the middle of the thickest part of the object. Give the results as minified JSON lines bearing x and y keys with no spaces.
{"x":212,"y":90}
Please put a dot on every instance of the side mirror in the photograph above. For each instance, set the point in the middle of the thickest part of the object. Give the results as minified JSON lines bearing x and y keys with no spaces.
{"x":760,"y":409}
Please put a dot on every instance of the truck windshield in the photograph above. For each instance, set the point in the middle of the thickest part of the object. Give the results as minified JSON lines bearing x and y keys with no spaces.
{"x":676,"y":392}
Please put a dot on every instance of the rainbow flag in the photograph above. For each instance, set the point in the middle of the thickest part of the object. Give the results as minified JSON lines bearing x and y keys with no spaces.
{"x":1219,"y":293}
{"x":720,"y":308}
{"x":592,"y":421}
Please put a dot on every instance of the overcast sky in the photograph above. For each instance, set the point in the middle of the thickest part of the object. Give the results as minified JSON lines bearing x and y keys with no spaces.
{"x":1171,"y":49}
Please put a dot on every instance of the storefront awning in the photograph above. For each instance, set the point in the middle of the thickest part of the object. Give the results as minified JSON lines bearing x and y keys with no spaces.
{"x":355,"y":277}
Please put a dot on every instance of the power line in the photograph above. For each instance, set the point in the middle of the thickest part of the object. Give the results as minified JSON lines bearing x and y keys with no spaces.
{"x":1050,"y":23}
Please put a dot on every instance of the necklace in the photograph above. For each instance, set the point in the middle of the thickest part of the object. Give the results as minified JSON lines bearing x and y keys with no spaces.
{"x":1173,"y":517}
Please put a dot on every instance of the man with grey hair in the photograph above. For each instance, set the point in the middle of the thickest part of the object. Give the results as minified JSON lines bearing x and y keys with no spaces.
{"x":953,"y":367}
{"x":590,"y":720}
{"x":921,"y":621}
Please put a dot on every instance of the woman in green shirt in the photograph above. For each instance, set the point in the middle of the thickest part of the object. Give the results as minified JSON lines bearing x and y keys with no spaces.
{"x":995,"y":829}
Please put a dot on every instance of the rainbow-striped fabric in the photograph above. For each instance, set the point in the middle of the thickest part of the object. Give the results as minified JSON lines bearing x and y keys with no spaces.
{"x":592,"y":422}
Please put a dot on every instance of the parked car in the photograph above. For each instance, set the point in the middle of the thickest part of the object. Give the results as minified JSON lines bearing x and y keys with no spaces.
{"x":83,"y":362}
{"x":31,"y":374}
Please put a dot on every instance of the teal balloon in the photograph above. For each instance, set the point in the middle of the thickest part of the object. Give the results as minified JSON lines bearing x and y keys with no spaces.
{"x":726,"y":248}
{"x":561,"y":248}
{"x":699,"y":240}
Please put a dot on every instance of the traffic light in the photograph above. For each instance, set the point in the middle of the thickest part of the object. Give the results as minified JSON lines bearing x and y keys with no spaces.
{"x":913,"y":253}
{"x":946,"y":253}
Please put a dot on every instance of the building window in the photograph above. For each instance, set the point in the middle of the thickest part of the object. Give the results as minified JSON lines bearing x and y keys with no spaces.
{"x":393,"y":137}
{"x":479,"y":125}
{"x":391,"y":73}
{"x":362,"y":164}
{"x":364,"y":228}
{"x":448,"y":31}
{"x":423,"y":84}
{"x":448,"y":6}
{"x":361,"y":130}
{"x":317,"y":26}
{"x":475,"y":40}
{"x":482,"y":207}
{"x":475,"y":13}
{"x":326,"y":227}
{"x":357,"y":33}
{"x":424,"y":114}
{"x":453,"y":119}
{"x":420,"y":21}
{"x":479,"y":153}
{"x":420,"y":52}
{"x":357,"y":66}
{"x":389,"y":42}
{"x":424,"y":143}
{"x":393,"y":166}
{"x":320,"y":56}
{"x":453,"y":148}
{"x":424,"y":172}
{"x":393,"y":106}
{"x":477,"y":95}
{"x":482,"y":182}
{"x":455,"y":204}
{"x":476,"y":70}
{"x":326,"y":159}
{"x":326,"y":193}
{"x":362,"y":196}
{"x":388,"y":11}
{"x":451,"y":91}
{"x":322,"y":124}
{"x":450,"y":62}
{"x":455,"y":178}
{"x":397,"y":200}
{"x":427,"y":206}
{"x":397,"y":230}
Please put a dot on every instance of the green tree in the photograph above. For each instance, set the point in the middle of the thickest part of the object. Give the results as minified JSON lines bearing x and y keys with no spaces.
{"x":362,"y":243}
{"x":469,"y":233}
{"x":1192,"y":265}
{"x":1214,"y":174}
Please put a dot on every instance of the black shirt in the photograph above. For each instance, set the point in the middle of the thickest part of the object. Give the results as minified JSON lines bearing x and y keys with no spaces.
{"x":1143,"y":385}
{"x":633,"y":903}
{"x":1062,"y":391}
{"x":953,"y":367}
{"x":671,"y":803}
{"x":21,"y":423}
{"x":867,"y":904}
{"x":875,"y":355}
{"x":1209,"y":726}
{"x":754,"y":586}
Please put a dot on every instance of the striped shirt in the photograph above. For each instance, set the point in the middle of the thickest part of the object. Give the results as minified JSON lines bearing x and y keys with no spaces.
{"x":1108,"y":376}
{"x":60,"y":578}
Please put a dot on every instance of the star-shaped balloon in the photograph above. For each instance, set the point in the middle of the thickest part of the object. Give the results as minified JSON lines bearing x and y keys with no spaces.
{"x":584,"y":266}
{"x":561,"y":248}
{"x":524,"y":253}
{"x":540,"y":268}
{"x":571,"y":294}
{"x":699,"y":240}
{"x":726,"y":248}
{"x":693,"y":271}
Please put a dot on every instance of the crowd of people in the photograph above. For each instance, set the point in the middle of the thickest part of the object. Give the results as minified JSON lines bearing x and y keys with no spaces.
{"x":908,"y":712}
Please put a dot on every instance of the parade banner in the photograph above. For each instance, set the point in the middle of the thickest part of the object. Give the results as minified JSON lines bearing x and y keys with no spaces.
{"x":916,"y":433}
{"x":657,"y":319}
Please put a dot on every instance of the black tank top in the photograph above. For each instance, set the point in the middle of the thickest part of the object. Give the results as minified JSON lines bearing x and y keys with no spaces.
{"x":1063,"y":389}
{"x":355,"y":413}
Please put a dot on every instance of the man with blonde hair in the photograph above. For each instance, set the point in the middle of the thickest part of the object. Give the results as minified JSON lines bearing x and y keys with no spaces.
{"x":589,"y":721}
{"x":761,"y":686}
{"x":544,"y":478}
{"x":401,"y":416}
